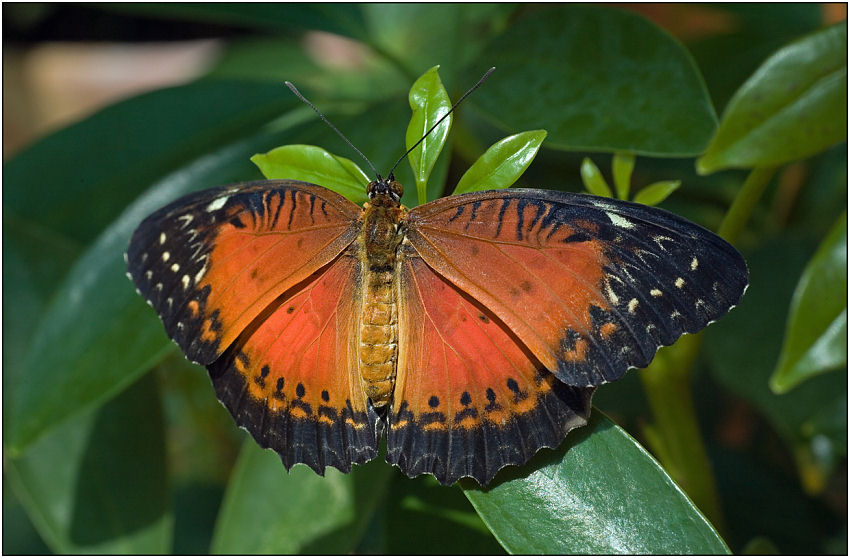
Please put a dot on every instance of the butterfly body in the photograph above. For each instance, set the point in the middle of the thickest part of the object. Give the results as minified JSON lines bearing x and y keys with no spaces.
{"x":471,"y":330}
{"x":378,"y":242}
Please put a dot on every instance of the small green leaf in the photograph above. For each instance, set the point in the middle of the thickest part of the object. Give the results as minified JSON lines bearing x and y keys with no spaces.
{"x":793,"y":106}
{"x":99,"y":483}
{"x":599,"y":493}
{"x":657,"y":192}
{"x":313,"y":164}
{"x":502,"y":164}
{"x":622,"y":165}
{"x":593,"y":180}
{"x":269,"y":511}
{"x":816,"y":332}
{"x":429,"y":102}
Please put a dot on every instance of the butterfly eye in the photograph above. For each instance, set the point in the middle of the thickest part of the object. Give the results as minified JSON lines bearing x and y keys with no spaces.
{"x":396,"y":190}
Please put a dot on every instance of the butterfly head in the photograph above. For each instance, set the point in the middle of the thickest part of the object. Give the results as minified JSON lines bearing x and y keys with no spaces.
{"x":385,"y":189}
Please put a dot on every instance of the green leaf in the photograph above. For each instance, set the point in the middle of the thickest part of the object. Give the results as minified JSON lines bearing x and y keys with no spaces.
{"x":657,"y":192}
{"x":97,"y":335}
{"x":622,"y":165}
{"x":98,"y":484}
{"x":317,"y":166}
{"x":429,"y":102}
{"x":599,"y":493}
{"x":816,"y":332}
{"x":593,"y":180}
{"x":114,"y":155}
{"x":502,"y":164}
{"x":597,"y":79}
{"x":793,"y":106}
{"x":269,"y":511}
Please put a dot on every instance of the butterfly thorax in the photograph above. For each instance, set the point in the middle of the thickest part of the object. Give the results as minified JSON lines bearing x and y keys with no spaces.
{"x":379,"y":239}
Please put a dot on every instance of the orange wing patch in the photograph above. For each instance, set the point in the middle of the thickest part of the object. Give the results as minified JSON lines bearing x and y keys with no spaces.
{"x":469,"y":398}
{"x":591,"y":286}
{"x":212,"y":261}
{"x":291,"y":378}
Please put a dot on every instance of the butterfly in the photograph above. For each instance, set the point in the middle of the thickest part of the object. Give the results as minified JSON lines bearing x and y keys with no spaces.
{"x":471,"y":331}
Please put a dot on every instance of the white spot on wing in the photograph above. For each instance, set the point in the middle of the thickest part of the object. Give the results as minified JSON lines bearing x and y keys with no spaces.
{"x":175,"y":267}
{"x":679,"y":282}
{"x":185,"y":280}
{"x":675,"y":314}
{"x":694,"y":264}
{"x":655,"y":292}
{"x":633,"y":304}
{"x":165,"y":256}
{"x":619,"y":221}
{"x":148,"y":274}
{"x":612,"y":296}
{"x":217,"y":203}
{"x":186,"y":219}
{"x":162,"y":238}
{"x":200,"y":274}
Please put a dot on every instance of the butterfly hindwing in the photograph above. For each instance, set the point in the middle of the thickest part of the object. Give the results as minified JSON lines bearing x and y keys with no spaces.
{"x":210,"y":262}
{"x":291,"y":378}
{"x":591,"y":286}
{"x":469,"y":398}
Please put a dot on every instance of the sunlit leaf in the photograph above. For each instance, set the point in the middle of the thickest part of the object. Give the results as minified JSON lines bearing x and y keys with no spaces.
{"x":502,"y":164}
{"x":315,"y":165}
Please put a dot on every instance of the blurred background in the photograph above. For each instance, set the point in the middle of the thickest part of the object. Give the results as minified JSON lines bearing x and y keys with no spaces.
{"x":64,"y":62}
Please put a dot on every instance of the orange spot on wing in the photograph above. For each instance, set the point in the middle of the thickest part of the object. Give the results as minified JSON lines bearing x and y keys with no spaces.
{"x":607,"y":329}
{"x":579,"y":353}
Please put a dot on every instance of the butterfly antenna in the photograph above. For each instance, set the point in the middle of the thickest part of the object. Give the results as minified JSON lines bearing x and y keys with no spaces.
{"x":454,"y":106}
{"x":334,"y":128}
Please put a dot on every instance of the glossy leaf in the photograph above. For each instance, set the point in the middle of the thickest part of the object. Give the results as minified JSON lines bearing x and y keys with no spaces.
{"x":593,"y":180}
{"x":599,"y":493}
{"x":816,"y":333}
{"x":622,"y":165}
{"x":269,"y":511}
{"x":502,"y":164}
{"x":657,"y":192}
{"x":98,"y":484}
{"x":793,"y":106}
{"x":429,"y":103}
{"x":597,"y":79}
{"x":115,"y":154}
{"x":317,"y":166}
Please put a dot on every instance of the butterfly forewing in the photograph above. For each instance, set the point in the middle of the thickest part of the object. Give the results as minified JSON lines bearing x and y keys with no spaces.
{"x":210,"y":262}
{"x":591,"y":286}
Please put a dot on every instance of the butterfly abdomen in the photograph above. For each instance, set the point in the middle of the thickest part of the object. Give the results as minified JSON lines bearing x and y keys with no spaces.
{"x":379,"y":239}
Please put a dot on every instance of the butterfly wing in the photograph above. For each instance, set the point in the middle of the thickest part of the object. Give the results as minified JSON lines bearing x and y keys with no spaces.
{"x":291,"y":377}
{"x":255,"y":282}
{"x":591,"y":286}
{"x":210,"y":262}
{"x":469,"y":398}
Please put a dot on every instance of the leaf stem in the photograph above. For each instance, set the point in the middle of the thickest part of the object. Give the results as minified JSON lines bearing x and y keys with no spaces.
{"x":675,"y":436}
{"x":746,"y":200}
